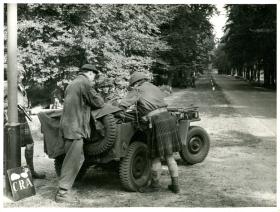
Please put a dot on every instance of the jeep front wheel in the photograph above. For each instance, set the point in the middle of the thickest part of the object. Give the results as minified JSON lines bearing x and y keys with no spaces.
{"x":135,"y":167}
{"x":197,"y":145}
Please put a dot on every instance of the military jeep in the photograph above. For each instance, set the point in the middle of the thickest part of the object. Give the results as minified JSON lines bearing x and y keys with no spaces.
{"x":122,"y":137}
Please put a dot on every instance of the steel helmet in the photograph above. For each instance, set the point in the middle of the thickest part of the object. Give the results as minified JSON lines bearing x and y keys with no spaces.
{"x":136,"y":76}
{"x":90,"y":67}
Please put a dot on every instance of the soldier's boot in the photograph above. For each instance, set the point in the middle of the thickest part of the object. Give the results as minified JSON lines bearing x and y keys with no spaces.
{"x":174,"y":187}
{"x":64,"y":196}
{"x":29,"y":161}
{"x":154,"y":186}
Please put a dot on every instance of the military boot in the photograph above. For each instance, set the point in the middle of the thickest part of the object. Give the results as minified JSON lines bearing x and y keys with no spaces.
{"x":29,"y":161}
{"x":174,"y":187}
{"x":154,"y":186}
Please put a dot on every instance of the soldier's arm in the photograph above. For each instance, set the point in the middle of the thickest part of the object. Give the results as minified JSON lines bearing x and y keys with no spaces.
{"x":130,"y":99}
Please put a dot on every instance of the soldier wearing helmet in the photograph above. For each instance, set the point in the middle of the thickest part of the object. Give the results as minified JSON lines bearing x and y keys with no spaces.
{"x":137,"y":77}
{"x":106,"y":88}
{"x":164,"y":139}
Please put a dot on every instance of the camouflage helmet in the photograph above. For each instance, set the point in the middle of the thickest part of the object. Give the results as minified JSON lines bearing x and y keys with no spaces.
{"x":137,"y":76}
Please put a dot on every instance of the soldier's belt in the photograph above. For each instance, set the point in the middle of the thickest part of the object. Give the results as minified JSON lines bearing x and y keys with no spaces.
{"x":152,"y":113}
{"x":157,"y":111}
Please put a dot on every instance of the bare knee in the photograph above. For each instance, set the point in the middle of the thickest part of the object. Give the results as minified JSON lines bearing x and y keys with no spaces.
{"x":172,"y":166}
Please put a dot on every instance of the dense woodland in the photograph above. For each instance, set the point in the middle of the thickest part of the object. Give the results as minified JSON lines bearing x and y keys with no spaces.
{"x":164,"y":41}
{"x":248,"y":48}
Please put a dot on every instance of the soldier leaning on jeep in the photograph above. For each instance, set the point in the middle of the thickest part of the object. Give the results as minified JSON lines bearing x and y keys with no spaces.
{"x":164,"y":136}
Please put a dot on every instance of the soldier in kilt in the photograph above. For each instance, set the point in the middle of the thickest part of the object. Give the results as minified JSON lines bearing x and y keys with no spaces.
{"x":25,"y":134}
{"x":26,"y":139}
{"x":164,"y":137}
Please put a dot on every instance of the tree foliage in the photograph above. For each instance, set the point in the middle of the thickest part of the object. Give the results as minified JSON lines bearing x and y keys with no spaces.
{"x":249,"y":44}
{"x":55,"y":40}
{"x":190,"y":36}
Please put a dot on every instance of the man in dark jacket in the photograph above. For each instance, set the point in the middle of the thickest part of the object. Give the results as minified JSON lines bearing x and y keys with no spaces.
{"x":80,"y":99}
{"x":164,"y":139}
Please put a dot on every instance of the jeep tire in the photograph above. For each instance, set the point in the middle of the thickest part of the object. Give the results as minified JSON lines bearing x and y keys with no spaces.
{"x":197,"y":145}
{"x":108,"y":141}
{"x":135,"y":167}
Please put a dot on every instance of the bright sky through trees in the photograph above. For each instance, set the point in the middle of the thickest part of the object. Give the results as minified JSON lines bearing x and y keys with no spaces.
{"x":218,"y":21}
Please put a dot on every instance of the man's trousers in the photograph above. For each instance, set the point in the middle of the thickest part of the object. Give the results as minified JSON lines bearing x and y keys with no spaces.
{"x":72,"y":162}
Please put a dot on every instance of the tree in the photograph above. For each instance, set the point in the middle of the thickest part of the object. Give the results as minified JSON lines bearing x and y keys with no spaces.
{"x":55,"y":40}
{"x":189,"y":33}
{"x":250,"y":41}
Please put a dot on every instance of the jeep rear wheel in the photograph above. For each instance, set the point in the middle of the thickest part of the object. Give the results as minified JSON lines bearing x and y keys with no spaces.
{"x":197,"y":146}
{"x":135,"y":167}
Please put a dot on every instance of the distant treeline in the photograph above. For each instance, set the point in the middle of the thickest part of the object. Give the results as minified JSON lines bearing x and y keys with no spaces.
{"x":248,"y":48}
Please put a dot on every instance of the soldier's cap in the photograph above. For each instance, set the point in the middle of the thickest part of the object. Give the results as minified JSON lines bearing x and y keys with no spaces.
{"x":90,"y":67}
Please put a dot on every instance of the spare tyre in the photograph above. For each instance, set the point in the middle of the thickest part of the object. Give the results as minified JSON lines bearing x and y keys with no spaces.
{"x":110,"y":136}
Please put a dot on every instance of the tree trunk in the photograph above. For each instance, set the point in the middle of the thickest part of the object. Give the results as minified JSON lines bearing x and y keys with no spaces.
{"x":247,"y":73}
{"x":266,"y":74}
{"x":239,"y":71}
{"x":252,"y":73}
{"x":170,"y":79}
{"x":259,"y":76}
{"x":273,"y":73}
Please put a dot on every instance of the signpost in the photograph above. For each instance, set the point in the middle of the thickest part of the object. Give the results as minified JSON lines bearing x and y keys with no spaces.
{"x":21,"y":182}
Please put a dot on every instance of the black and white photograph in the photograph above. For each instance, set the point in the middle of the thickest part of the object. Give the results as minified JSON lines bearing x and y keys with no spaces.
{"x":139,"y":105}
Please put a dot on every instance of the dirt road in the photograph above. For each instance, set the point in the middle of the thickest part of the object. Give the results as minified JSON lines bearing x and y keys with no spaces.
{"x":240,"y":170}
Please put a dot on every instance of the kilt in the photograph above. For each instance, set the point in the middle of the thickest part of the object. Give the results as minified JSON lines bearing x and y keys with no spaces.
{"x":25,"y":133}
{"x":164,"y":137}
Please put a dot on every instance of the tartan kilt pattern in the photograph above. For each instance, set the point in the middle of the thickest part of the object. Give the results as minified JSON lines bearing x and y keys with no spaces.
{"x":165,"y":137}
{"x":25,"y":133}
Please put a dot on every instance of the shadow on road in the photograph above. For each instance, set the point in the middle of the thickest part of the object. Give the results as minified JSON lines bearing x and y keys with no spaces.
{"x":238,"y":138}
{"x":97,"y":178}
